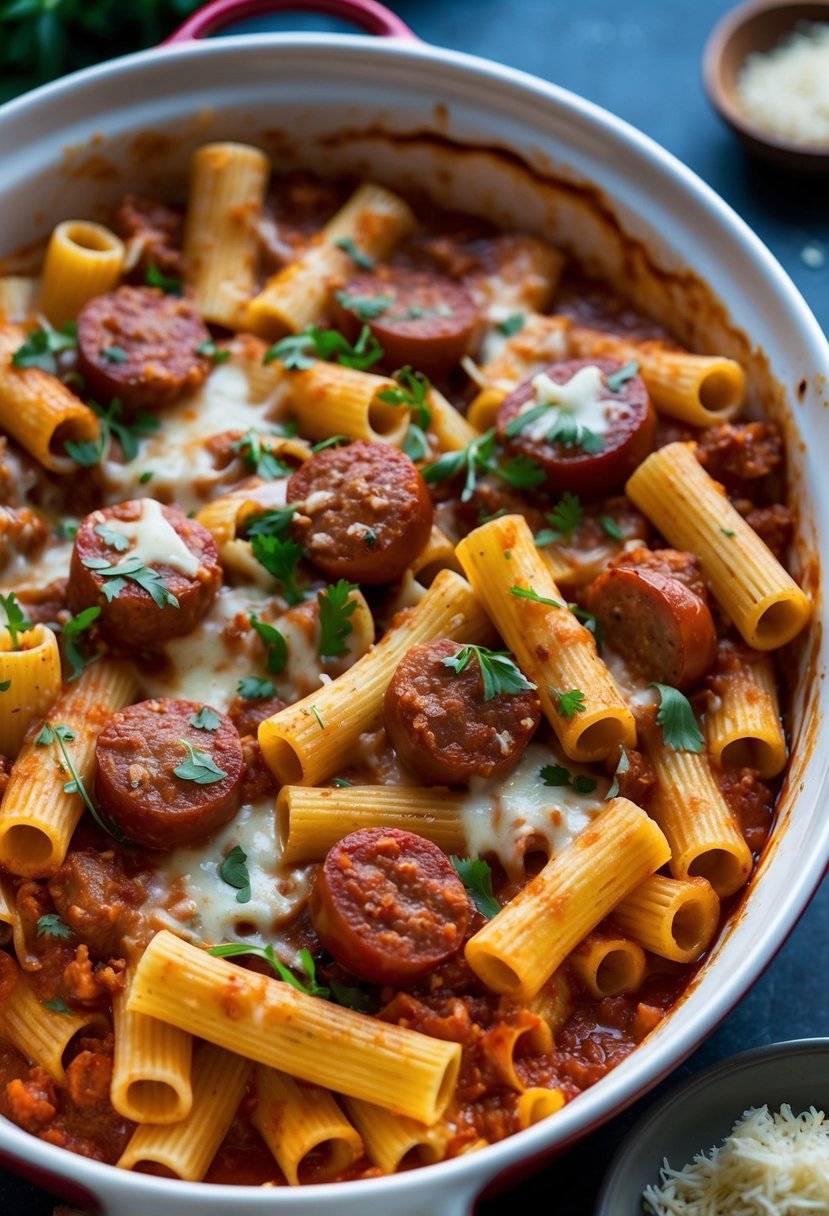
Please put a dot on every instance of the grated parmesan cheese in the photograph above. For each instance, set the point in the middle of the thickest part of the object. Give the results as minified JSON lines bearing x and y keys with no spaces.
{"x":786,"y":90}
{"x":770,"y":1165}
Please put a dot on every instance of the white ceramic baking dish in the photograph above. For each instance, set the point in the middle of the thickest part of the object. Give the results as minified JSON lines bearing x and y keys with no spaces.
{"x":484,"y":138}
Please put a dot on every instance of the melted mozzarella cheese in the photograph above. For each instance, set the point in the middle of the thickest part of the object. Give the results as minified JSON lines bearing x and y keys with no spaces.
{"x":154,"y":540}
{"x":509,"y":818}
{"x":24,"y":572}
{"x":205,"y":908}
{"x":580,"y":397}
{"x":635,"y":690}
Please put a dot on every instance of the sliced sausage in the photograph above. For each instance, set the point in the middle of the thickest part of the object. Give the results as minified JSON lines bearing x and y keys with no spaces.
{"x":742,"y":452}
{"x":97,"y":900}
{"x":623,"y":424}
{"x":179,"y":555}
{"x":675,"y":563}
{"x":140,"y":345}
{"x":656,"y":623}
{"x":388,"y":905}
{"x":247,"y":713}
{"x":364,"y":511}
{"x":418,"y":317}
{"x":153,"y":231}
{"x":137,"y":754}
{"x":441,"y":726}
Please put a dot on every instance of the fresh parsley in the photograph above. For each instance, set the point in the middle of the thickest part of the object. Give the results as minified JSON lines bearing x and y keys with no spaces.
{"x":617,"y":380}
{"x":728,"y":532}
{"x":351,"y":998}
{"x":622,"y":767}
{"x":270,"y":523}
{"x":527,"y":593}
{"x":114,"y":354}
{"x":205,"y":719}
{"x":5,"y":685}
{"x":476,"y":876}
{"x":680,"y":729}
{"x":209,"y":350}
{"x":416,"y":445}
{"x":67,"y":529}
{"x":274,"y":642}
{"x":111,"y":538}
{"x":51,"y":925}
{"x":335,"y":608}
{"x":168,"y":283}
{"x":310,"y":987}
{"x":512,"y":324}
{"x":280,"y":557}
{"x":558,"y":775}
{"x":89,"y":452}
{"x":475,"y":458}
{"x":612,"y":529}
{"x":348,"y":245}
{"x":590,"y":621}
{"x":257,"y":457}
{"x":367,"y":308}
{"x":60,"y":734}
{"x":341,"y":784}
{"x":298,"y":352}
{"x":255,"y":688}
{"x":234,"y":872}
{"x":16,"y":620}
{"x":199,"y":767}
{"x":131,"y":568}
{"x":42,"y":345}
{"x":333,"y":441}
{"x":499,"y":671}
{"x":58,"y":1006}
{"x":71,"y":632}
{"x":570,"y":434}
{"x":412,"y":390}
{"x":564,"y":518}
{"x":521,"y":472}
{"x":568,"y":703}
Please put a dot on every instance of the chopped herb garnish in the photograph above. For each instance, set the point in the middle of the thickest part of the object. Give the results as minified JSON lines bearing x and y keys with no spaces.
{"x":564,"y":518}
{"x":680,"y":729}
{"x":558,"y":775}
{"x":341,"y":783}
{"x":168,"y":283}
{"x":335,"y":608}
{"x":270,"y":523}
{"x":5,"y":685}
{"x":205,"y":719}
{"x":255,"y":688}
{"x":42,"y":345}
{"x":16,"y":620}
{"x":146,"y":476}
{"x":617,"y":380}
{"x":567,"y":432}
{"x":347,"y":244}
{"x":333,"y":441}
{"x":209,"y":350}
{"x":274,"y":643}
{"x":416,"y":445}
{"x":351,"y":998}
{"x":58,"y":1005}
{"x":88,"y":452}
{"x":512,"y":324}
{"x":134,"y":569}
{"x":367,"y":308}
{"x":67,"y":529}
{"x":115,"y":354}
{"x":51,"y":925}
{"x":568,"y":703}
{"x":611,"y":527}
{"x":499,"y":671}
{"x":234,"y":872}
{"x":475,"y":458}
{"x":316,"y":714}
{"x":728,"y":532}
{"x":527,"y":593}
{"x":71,"y":632}
{"x":199,"y":767}
{"x":413,"y":390}
{"x":257,"y":458}
{"x":622,"y":767}
{"x":311,"y":988}
{"x":521,"y":472}
{"x":476,"y":876}
{"x":590,"y":621}
{"x":517,"y":424}
{"x":46,"y":736}
{"x":62,"y":735}
{"x":300,"y":351}
{"x":280,"y":557}
{"x":115,"y":540}
{"x":583,"y":784}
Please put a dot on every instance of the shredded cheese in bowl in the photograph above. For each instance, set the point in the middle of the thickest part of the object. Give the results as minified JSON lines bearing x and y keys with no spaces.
{"x":770,"y":1165}
{"x":786,"y":90}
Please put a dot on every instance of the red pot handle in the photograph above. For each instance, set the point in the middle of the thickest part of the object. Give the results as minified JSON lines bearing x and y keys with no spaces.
{"x":374,"y":18}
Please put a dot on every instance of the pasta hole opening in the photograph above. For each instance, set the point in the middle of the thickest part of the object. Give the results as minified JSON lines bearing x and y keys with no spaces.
{"x":156,"y":1169}
{"x":155,"y":1099}
{"x":748,"y":753}
{"x":282,"y":813}
{"x":324,"y":1160}
{"x":778,"y":624}
{"x":600,"y":738}
{"x":89,"y":238}
{"x":534,"y":861}
{"x":720,"y":390}
{"x":722,"y":869}
{"x":616,"y":973}
{"x":389,"y":422}
{"x":686,"y":926}
{"x":71,"y":430}
{"x":422,"y":1153}
{"x":541,"y":1106}
{"x":283,"y":761}
{"x":497,"y":974}
{"x":26,"y":843}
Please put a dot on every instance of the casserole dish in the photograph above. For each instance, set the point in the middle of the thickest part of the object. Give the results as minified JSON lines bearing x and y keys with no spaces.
{"x":534,"y":151}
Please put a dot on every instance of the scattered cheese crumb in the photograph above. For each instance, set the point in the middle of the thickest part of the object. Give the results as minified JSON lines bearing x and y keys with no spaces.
{"x":786,"y":90}
{"x":771,"y":1165}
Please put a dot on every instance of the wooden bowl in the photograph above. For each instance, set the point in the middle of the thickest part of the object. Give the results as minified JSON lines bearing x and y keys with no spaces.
{"x":758,"y":25}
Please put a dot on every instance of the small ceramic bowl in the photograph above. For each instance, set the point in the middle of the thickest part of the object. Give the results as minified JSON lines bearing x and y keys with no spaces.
{"x":758,"y":26}
{"x":698,"y":1114}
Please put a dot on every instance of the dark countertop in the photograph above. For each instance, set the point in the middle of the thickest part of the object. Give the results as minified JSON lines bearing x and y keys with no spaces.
{"x":640,"y":60}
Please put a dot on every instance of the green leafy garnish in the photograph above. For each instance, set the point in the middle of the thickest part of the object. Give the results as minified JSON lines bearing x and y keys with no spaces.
{"x":569,"y":703}
{"x":199,"y":767}
{"x":5,"y":685}
{"x":341,"y":783}
{"x":42,"y":345}
{"x":62,"y":735}
{"x":89,"y":452}
{"x":512,"y":324}
{"x":114,"y":354}
{"x":270,"y":523}
{"x":51,"y":925}
{"x":522,"y":472}
{"x":367,"y":308}
{"x":617,"y":380}
{"x":416,"y":445}
{"x":275,"y":644}
{"x":115,"y":540}
{"x":146,"y":476}
{"x":280,"y":557}
{"x":209,"y":350}
{"x":16,"y":620}
{"x":316,"y":713}
{"x":134,"y":569}
{"x":335,"y":607}
{"x":205,"y":719}
{"x":728,"y":532}
{"x":258,"y":459}
{"x":527,"y":593}
{"x":590,"y":621}
{"x":255,"y":688}
{"x":583,"y":784}
{"x":58,"y":1006}
{"x":499,"y":671}
{"x":311,"y":988}
{"x":234,"y":871}
{"x":680,"y":729}
{"x":475,"y":458}
{"x":351,"y":998}
{"x":168,"y":283}
{"x":622,"y":767}
{"x":300,"y":351}
{"x":611,"y":527}
{"x":412,"y":390}
{"x":71,"y":632}
{"x":67,"y":529}
{"x":570,"y":434}
{"x":564,"y":518}
{"x":347,"y":244}
{"x":558,"y":775}
{"x":476,"y":876}
{"x":333,"y":441}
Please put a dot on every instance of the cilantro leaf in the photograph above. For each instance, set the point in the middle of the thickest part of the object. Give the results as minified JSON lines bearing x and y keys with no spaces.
{"x":62,"y":735}
{"x":367,"y":308}
{"x":234,"y":872}
{"x":205,"y":719}
{"x":209,"y":350}
{"x":610,"y":526}
{"x":5,"y":685}
{"x":279,"y":556}
{"x":311,"y":988}
{"x":517,"y":424}
{"x":512,"y":324}
{"x":413,"y":390}
{"x":348,"y":245}
{"x":45,"y":736}
{"x":680,"y":729}
{"x":255,"y":688}
{"x":270,"y":523}
{"x":51,"y":925}
{"x":499,"y":671}
{"x":168,"y":283}
{"x":335,"y":607}
{"x":42,"y":345}
{"x":298,"y":352}
{"x":115,"y":540}
{"x":89,"y":452}
{"x":522,"y":472}
{"x":566,"y":516}
{"x":16,"y":621}
{"x":58,"y":1005}
{"x":569,"y":703}
{"x":622,"y":767}
{"x":257,"y":457}
{"x":134,"y":569}
{"x":583,"y":784}
{"x":415,"y":445}
{"x":333,"y":441}
{"x":67,"y":529}
{"x":274,"y":642}
{"x":569,"y":434}
{"x":617,"y":380}
{"x":476,"y":876}
{"x":475,"y":458}
{"x":199,"y":768}
{"x":71,"y":632}
{"x":293,"y":352}
{"x":555,"y":775}
{"x":527,"y":593}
